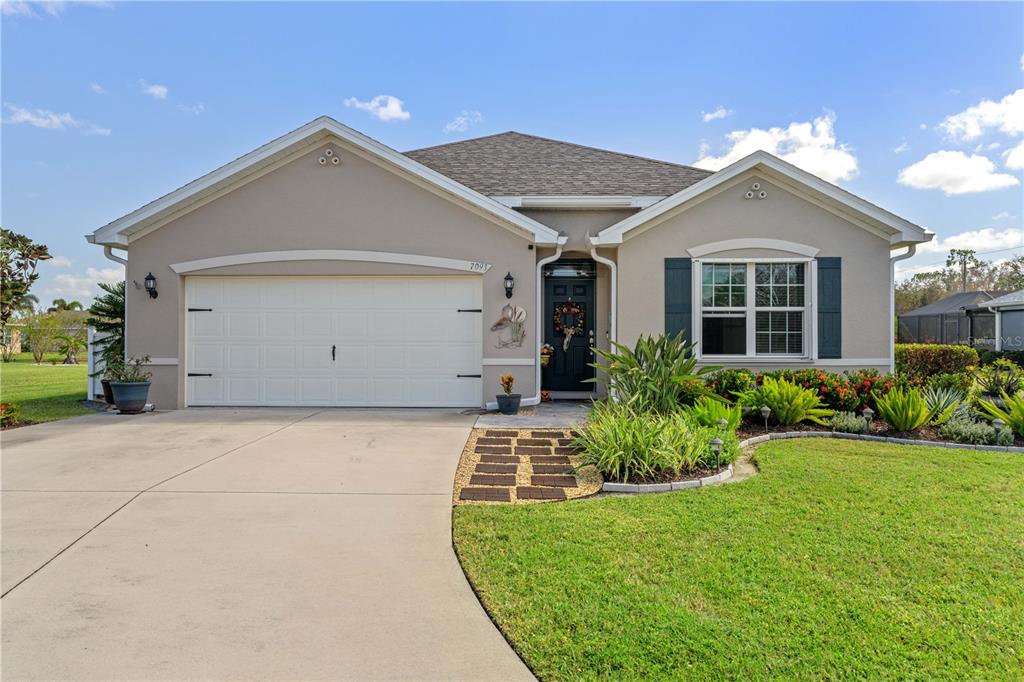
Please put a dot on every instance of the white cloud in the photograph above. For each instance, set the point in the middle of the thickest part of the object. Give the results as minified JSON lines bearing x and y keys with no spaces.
{"x":985,"y":239}
{"x":82,"y":286}
{"x":463,"y":122}
{"x":811,"y":145}
{"x":955,"y":173}
{"x":384,"y":107}
{"x":52,"y":8}
{"x":97,"y":88}
{"x":58,"y":262}
{"x":1003,"y":215}
{"x":51,"y":120}
{"x":923,"y":126}
{"x":719,"y":113}
{"x":194,"y":109}
{"x":1006,"y":115}
{"x":1015,"y":157}
{"x":156,"y":91}
{"x":901,"y":147}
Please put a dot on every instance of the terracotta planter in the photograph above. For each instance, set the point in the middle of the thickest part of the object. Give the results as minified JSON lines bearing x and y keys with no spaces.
{"x":508,"y":403}
{"x":108,"y":395}
{"x":130,"y":398}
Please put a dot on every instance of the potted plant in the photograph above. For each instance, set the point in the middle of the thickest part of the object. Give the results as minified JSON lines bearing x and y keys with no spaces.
{"x":130,"y":385}
{"x":546,"y":351}
{"x":508,"y":402}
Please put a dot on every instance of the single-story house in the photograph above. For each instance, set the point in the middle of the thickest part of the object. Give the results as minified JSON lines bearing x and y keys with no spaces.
{"x":1009,"y":320}
{"x":325,"y":268}
{"x":948,"y":321}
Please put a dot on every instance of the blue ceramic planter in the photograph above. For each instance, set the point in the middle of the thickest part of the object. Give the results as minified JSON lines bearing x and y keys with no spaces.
{"x":130,"y":398}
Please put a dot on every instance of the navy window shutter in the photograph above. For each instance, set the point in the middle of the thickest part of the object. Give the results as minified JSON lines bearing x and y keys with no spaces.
{"x":830,"y":307}
{"x":678,"y":297}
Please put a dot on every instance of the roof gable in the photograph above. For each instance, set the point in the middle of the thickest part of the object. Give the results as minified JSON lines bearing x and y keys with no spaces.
{"x":898,"y":231}
{"x":516,"y":164}
{"x":158,"y":212}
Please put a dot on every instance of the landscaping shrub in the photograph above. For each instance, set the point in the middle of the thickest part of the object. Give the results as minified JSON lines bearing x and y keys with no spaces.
{"x":706,"y":412}
{"x":963,"y":428}
{"x":833,"y":389}
{"x":655,"y":375}
{"x":848,"y":422}
{"x":627,"y":444}
{"x":790,"y":404}
{"x":1001,"y":376}
{"x":942,"y":402}
{"x":730,"y":383}
{"x":959,"y":381}
{"x":923,"y":360}
{"x":986,"y":357}
{"x":1011,"y":412}
{"x":8,"y":415}
{"x":904,"y":410}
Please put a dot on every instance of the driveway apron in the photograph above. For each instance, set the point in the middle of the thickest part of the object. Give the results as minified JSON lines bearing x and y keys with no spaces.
{"x":240,"y":544}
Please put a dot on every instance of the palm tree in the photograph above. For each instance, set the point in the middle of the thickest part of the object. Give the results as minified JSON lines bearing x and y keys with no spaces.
{"x":27,"y":305}
{"x":60,"y":305}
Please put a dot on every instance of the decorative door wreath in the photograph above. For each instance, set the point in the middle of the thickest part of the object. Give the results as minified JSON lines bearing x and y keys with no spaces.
{"x":564,"y":310}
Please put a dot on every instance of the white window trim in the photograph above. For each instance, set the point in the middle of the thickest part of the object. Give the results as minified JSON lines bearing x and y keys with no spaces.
{"x":810,"y":330}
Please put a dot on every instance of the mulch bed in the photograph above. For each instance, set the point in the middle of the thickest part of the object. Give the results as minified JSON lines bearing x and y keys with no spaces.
{"x":522,"y":466}
{"x":877,"y":427}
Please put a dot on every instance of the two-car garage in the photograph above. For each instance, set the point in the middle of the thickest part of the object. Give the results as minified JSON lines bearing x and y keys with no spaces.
{"x":334,"y":341}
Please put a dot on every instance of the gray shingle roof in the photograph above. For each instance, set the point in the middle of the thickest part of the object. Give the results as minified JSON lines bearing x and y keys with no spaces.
{"x":515,"y":164}
{"x":955,"y":303}
{"x":1013,"y":298}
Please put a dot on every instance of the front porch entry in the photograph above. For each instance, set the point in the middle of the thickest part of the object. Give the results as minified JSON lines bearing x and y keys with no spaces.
{"x":569,"y":316}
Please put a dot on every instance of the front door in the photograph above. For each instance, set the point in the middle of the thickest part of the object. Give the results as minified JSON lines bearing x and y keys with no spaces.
{"x":569,"y":327}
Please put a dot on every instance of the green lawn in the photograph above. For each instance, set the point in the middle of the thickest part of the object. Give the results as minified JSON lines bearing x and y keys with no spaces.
{"x":839,"y":560}
{"x":45,"y":392}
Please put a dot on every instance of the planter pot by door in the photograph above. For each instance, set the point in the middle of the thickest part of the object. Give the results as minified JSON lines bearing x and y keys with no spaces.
{"x":108,"y":395}
{"x":508,"y":403}
{"x":130,"y":398}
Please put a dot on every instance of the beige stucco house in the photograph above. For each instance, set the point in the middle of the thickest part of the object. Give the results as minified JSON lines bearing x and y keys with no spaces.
{"x":325,"y":268}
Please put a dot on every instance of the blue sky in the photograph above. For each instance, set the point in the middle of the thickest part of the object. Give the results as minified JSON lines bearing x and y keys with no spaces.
{"x":917,"y":107}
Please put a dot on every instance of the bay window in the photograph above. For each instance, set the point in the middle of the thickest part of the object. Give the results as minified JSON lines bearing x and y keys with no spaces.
{"x":754,"y":308}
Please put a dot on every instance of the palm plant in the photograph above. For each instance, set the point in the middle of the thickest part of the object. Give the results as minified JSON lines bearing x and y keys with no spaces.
{"x":942,"y":402}
{"x":652,"y":375}
{"x":789,"y":403}
{"x":106,"y":316}
{"x":60,"y":305}
{"x":904,"y":410}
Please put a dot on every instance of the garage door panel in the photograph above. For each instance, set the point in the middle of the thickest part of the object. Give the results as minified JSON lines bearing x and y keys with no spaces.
{"x":397,"y":341}
{"x":245,"y":325}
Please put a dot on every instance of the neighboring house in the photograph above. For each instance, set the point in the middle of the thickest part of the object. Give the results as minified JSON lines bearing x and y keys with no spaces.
{"x":10,"y":343}
{"x":325,"y":268}
{"x":1009,"y":320}
{"x":947,"y":321}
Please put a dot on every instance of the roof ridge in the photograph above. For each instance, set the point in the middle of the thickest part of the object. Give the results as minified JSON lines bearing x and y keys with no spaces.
{"x":568,"y":144}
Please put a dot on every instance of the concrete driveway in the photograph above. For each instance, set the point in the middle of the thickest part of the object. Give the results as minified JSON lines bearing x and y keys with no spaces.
{"x":240,"y":544}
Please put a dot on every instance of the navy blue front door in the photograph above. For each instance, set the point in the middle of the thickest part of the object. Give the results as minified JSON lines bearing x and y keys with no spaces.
{"x":569,"y":367}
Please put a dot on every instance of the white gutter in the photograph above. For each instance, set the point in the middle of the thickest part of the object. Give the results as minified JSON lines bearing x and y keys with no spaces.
{"x":894,"y":325}
{"x":117,"y":259}
{"x":612,"y":324}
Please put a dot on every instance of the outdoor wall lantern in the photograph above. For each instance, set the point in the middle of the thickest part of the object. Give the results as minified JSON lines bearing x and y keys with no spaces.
{"x":150,"y":283}
{"x":510,"y":284}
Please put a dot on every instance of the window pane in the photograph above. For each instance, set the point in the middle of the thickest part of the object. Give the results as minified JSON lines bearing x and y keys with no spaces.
{"x":721,"y":295}
{"x":739,"y":298}
{"x":778,"y":332}
{"x":796,"y":296}
{"x":762,"y":297}
{"x":724,"y":335}
{"x":721,"y":274}
{"x":796,"y":273}
{"x":762,"y":273}
{"x":739,"y":274}
{"x":707,"y":273}
{"x":707,"y":295}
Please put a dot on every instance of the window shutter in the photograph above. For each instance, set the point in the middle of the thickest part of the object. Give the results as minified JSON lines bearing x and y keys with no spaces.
{"x":830,"y":308}
{"x":678,"y":297}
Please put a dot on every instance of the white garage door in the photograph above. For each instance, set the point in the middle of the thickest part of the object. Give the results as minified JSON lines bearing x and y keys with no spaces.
{"x":345,"y":341}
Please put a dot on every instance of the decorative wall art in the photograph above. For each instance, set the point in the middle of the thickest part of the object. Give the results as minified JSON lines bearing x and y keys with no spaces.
{"x":511,"y":327}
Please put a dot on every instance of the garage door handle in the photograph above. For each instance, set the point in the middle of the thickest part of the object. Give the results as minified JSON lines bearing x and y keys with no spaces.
{"x":469,"y":310}
{"x":468,"y":376}
{"x":333,"y":348}
{"x":199,"y":374}
{"x":200,"y":310}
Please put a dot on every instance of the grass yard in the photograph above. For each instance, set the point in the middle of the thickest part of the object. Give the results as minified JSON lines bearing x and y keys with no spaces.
{"x":45,"y":392}
{"x":839,"y":560}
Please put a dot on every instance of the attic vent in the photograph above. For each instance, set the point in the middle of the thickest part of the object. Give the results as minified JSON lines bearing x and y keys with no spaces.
{"x":755,"y":192}
{"x":329,"y":158}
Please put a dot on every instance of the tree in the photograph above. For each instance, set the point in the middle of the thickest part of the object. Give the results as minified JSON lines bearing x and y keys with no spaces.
{"x":927,"y":287}
{"x":964,"y":258}
{"x":106,"y":316}
{"x":70,"y":344}
{"x":28,"y":305}
{"x":19,"y":257}
{"x":60,"y":305}
{"x":41,"y":332}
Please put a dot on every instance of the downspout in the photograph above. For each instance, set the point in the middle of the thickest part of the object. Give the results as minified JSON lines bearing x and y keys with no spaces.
{"x":911,"y":250}
{"x":109,"y":253}
{"x":535,"y":400}
{"x":612,"y":325}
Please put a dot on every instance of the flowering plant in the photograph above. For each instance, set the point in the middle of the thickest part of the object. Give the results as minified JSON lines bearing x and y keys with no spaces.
{"x":506,"y":383}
